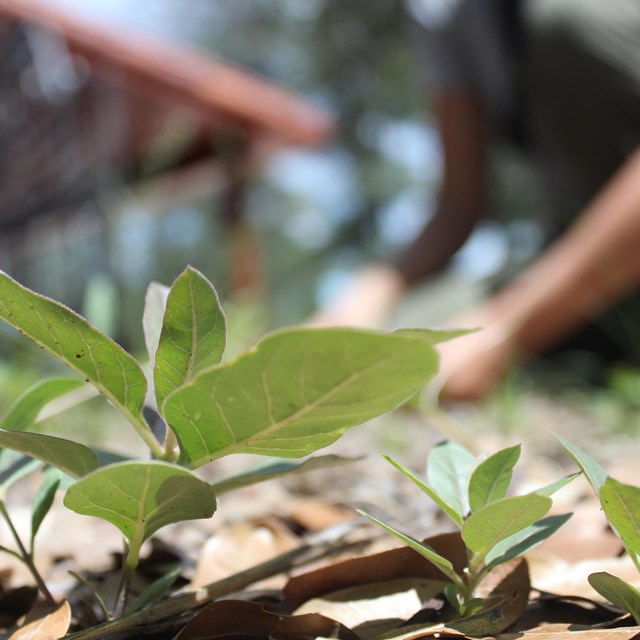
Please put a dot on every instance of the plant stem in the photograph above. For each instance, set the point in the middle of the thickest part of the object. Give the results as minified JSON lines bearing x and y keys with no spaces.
{"x":25,"y":556}
{"x":316,"y":548}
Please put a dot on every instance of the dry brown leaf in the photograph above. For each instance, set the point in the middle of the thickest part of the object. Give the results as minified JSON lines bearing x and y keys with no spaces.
{"x":623,"y":633}
{"x":242,"y":546}
{"x":45,"y":621}
{"x":250,"y":619}
{"x":374,"y":608}
{"x":314,"y":514}
{"x":388,"y":565}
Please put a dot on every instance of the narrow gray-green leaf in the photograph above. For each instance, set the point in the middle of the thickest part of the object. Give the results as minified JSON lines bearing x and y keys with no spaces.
{"x":621,"y":505}
{"x":423,"y":486}
{"x":154,"y":591}
{"x":141,"y":497}
{"x":449,"y":467}
{"x":423,"y":549}
{"x":276,"y":469}
{"x":550,"y":489}
{"x":295,"y":392}
{"x":80,"y":346}
{"x":523,"y":541}
{"x":155,"y":303}
{"x":193,"y":334}
{"x":595,"y":473}
{"x":24,"y":411}
{"x":44,"y":499}
{"x":70,"y":457}
{"x":490,"y":525}
{"x":490,"y":480}
{"x":618,"y":592}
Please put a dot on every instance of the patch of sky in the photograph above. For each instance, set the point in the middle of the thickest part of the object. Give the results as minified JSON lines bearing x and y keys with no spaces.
{"x":402,"y":219}
{"x":485,"y":253}
{"x":182,"y":227}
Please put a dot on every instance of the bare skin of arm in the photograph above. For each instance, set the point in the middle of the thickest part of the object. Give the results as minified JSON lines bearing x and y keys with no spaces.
{"x":374,"y":290}
{"x":595,"y":263}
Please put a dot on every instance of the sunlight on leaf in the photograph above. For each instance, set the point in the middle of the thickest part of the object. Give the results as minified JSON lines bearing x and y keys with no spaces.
{"x":501,"y":519}
{"x":155,"y":302}
{"x":449,"y":467}
{"x":295,"y":392}
{"x":621,"y":504}
{"x":193,"y":334}
{"x":490,"y":480}
{"x":80,"y":346}
{"x":595,"y":473}
{"x":618,"y":592}
{"x":141,"y":497}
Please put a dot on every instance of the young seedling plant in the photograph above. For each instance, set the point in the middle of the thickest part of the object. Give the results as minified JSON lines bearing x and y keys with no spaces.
{"x":621,"y":505}
{"x":295,"y":392}
{"x":495,"y":528}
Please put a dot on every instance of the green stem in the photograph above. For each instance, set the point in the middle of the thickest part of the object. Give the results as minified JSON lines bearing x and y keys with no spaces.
{"x":170,"y":446}
{"x":142,"y":428}
{"x":130,"y":564}
{"x":25,"y":556}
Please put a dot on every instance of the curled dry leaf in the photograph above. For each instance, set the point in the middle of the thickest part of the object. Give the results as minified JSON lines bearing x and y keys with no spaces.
{"x":388,"y":565}
{"x":250,"y":619}
{"x":375,"y":608}
{"x":46,"y":621}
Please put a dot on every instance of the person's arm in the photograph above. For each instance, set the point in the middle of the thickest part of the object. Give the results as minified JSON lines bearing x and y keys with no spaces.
{"x":595,"y":263}
{"x":375,"y":289}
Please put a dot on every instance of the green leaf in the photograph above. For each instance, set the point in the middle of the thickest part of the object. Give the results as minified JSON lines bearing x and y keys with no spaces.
{"x":523,"y":541}
{"x":14,"y":467}
{"x":141,"y":497}
{"x":275,"y":469}
{"x":490,"y":480}
{"x":24,"y":412}
{"x":595,"y":473}
{"x":423,"y":549}
{"x":295,"y":392}
{"x":423,"y":486}
{"x":501,"y":519}
{"x":434,"y":336}
{"x":618,"y":592}
{"x":449,"y":466}
{"x":154,"y":591}
{"x":155,"y":303}
{"x":70,"y":457}
{"x":44,"y":499}
{"x":621,"y":505}
{"x":80,"y":346}
{"x":193,"y":334}
{"x":550,"y":489}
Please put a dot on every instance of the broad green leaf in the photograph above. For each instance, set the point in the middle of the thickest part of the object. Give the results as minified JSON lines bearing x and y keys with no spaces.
{"x":141,"y":497}
{"x":523,"y":541}
{"x":155,"y":303}
{"x":44,"y":499}
{"x":501,"y":519}
{"x":423,"y":549}
{"x":80,"y":346}
{"x":449,"y":467}
{"x":275,"y":469}
{"x":618,"y":592}
{"x":621,"y":505}
{"x":423,"y":486}
{"x":24,"y":412}
{"x":193,"y":334}
{"x":295,"y":392}
{"x":594,"y":472}
{"x":70,"y":457}
{"x":434,"y":336}
{"x":550,"y":489}
{"x":490,"y":480}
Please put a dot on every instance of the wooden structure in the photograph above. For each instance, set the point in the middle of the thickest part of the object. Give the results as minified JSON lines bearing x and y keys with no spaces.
{"x":234,"y":117}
